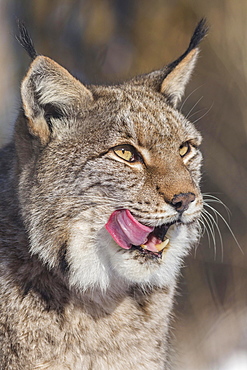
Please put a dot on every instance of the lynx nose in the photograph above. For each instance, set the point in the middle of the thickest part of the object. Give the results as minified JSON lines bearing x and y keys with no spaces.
{"x":181,"y":201}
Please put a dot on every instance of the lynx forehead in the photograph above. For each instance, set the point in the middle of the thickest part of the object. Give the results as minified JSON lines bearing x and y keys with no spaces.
{"x":102,"y":187}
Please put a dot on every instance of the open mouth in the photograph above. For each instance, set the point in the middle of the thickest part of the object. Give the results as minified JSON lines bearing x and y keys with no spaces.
{"x":128,"y":233}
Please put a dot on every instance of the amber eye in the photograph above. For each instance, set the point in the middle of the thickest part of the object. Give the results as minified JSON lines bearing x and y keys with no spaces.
{"x":126,"y":152}
{"x":184,"y":149}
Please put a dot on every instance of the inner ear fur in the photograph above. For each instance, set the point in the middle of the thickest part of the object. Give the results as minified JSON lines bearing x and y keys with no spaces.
{"x":50,"y":91}
{"x":174,"y":84}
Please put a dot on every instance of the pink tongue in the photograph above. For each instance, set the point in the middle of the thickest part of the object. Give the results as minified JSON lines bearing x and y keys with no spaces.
{"x":126,"y":230}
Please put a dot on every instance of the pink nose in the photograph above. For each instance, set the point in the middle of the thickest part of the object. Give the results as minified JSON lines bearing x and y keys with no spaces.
{"x":181,"y":201}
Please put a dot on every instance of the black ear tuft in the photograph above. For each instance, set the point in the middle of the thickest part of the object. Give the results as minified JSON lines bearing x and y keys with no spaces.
{"x":25,"y":40}
{"x":179,"y":71}
{"x":199,"y":33}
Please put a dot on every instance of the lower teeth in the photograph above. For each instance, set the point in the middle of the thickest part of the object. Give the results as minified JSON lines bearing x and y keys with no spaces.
{"x":160,"y":247}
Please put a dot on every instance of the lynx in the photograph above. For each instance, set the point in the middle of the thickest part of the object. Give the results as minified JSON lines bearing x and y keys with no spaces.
{"x":99,"y":203}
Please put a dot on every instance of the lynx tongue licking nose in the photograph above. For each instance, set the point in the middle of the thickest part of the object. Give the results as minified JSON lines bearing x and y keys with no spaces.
{"x":127,"y":231}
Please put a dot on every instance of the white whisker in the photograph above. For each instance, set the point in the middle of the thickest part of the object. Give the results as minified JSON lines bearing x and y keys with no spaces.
{"x":215,"y":224}
{"x":198,"y":111}
{"x":203,"y":229}
{"x":226,"y":224}
{"x":213,"y":199}
{"x":198,"y":119}
{"x":191,"y":110}
{"x":210,"y":231}
{"x":189,"y":97}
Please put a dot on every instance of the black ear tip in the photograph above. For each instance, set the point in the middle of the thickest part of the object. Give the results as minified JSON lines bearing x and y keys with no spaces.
{"x":25,"y":40}
{"x":200,"y":32}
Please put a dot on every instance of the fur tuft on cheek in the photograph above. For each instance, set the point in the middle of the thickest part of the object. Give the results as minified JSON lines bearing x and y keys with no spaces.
{"x":89,"y":265}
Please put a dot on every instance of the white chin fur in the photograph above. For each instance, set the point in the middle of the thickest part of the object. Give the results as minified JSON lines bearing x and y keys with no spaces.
{"x":101,"y":263}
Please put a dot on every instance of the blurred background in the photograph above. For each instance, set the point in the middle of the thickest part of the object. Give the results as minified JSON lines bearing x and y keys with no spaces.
{"x":110,"y":40}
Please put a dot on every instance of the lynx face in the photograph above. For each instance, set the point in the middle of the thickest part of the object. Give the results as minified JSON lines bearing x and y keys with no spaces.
{"x":109,"y":176}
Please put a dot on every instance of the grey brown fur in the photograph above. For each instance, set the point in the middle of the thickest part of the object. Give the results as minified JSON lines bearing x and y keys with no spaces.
{"x":70,"y":297}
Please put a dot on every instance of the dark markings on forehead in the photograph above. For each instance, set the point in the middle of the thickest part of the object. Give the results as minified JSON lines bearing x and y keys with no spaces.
{"x":127,"y":135}
{"x":124,"y":130}
{"x":143,"y":117}
{"x":140,"y":120}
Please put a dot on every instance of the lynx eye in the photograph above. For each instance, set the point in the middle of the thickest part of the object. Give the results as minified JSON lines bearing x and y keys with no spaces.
{"x":184,"y":149}
{"x":126,"y":152}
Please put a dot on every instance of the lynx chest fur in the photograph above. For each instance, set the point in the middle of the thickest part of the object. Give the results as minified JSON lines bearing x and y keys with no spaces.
{"x":99,"y":203}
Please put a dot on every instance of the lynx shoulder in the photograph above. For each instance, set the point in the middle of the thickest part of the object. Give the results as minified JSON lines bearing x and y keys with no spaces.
{"x":99,"y":203}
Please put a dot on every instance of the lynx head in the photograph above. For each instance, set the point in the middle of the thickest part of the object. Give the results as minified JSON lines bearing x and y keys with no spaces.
{"x":109,"y":175}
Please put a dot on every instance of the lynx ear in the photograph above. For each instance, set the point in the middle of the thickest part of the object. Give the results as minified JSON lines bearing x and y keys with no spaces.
{"x":172,"y":79}
{"x":179,"y":72}
{"x":173,"y":86}
{"x":49,"y":93}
